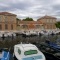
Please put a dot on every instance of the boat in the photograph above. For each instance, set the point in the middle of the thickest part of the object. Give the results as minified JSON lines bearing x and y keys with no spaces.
{"x":6,"y":34}
{"x":50,"y":56}
{"x":3,"y":35}
{"x":22,"y":52}
{"x":54,"y":46}
{"x":43,"y":32}
{"x":4,"y":54}
{"x":27,"y":52}
{"x":11,"y":34}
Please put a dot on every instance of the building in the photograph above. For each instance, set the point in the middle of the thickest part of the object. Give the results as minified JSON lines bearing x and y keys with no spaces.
{"x":48,"y":22}
{"x":43,"y":23}
{"x":29,"y":25}
{"x":7,"y":21}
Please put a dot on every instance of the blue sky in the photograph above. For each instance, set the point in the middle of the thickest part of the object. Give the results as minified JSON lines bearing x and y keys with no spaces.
{"x":31,"y":8}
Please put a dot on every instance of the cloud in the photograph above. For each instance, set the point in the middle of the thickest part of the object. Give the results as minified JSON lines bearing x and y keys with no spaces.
{"x":31,"y":8}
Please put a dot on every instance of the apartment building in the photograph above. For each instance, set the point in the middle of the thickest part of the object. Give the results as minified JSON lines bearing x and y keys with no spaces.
{"x":7,"y":21}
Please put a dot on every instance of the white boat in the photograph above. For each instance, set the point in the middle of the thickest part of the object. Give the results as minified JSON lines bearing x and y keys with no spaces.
{"x":0,"y":34}
{"x":27,"y":33}
{"x":28,"y":52}
{"x":11,"y":33}
{"x":3,"y":34}
{"x":34,"y":33}
{"x":44,"y":32}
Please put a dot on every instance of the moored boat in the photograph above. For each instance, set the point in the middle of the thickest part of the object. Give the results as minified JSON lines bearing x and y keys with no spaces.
{"x":28,"y":52}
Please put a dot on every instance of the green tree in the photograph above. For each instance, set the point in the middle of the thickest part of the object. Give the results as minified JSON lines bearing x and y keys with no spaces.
{"x":58,"y":25}
{"x":28,"y":19}
{"x":18,"y":19}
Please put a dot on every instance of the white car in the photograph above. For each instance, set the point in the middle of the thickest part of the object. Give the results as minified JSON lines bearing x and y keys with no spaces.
{"x":28,"y":52}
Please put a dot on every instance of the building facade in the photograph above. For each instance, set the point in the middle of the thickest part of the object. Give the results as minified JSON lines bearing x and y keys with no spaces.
{"x":48,"y":22}
{"x":43,"y":23}
{"x":29,"y":25}
{"x":7,"y":21}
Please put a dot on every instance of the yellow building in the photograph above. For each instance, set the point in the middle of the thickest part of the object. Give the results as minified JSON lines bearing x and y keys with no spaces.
{"x":48,"y":22}
{"x":7,"y":21}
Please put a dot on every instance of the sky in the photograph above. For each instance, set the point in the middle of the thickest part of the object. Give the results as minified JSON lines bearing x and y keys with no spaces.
{"x":31,"y":8}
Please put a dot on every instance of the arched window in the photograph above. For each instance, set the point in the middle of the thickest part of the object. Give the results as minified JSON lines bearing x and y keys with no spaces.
{"x":37,"y":26}
{"x":6,"y":26}
{"x":24,"y":26}
{"x":0,"y":18}
{"x":11,"y":27}
{"x":0,"y":27}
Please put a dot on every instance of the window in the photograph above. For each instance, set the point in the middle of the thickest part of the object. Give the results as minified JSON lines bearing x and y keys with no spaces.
{"x":0,"y":27}
{"x":30,"y":52}
{"x":37,"y":26}
{"x":6,"y":26}
{"x":12,"y":18}
{"x":53,"y":21}
{"x":19,"y":51}
{"x":5,"y":18}
{"x":47,"y":20}
{"x":24,"y":26}
{"x":11,"y":27}
{"x":0,"y":18}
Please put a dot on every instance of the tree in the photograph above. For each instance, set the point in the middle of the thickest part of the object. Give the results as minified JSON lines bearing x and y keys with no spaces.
{"x":58,"y":25}
{"x":28,"y":19}
{"x":17,"y":20}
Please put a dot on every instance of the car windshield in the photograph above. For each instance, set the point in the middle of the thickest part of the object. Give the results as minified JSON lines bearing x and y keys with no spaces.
{"x":30,"y":52}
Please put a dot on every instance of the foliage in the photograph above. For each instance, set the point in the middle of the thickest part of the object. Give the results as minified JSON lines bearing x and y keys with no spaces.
{"x":58,"y":25}
{"x":28,"y":19}
{"x":17,"y":19}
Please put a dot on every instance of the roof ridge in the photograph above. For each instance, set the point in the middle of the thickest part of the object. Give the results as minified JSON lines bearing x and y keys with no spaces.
{"x":7,"y":13}
{"x":46,"y":17}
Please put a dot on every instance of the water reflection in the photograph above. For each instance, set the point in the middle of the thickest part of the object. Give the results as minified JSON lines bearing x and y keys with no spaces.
{"x":11,"y":41}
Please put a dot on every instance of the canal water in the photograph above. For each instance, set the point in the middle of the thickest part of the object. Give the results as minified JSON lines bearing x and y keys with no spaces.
{"x":9,"y":42}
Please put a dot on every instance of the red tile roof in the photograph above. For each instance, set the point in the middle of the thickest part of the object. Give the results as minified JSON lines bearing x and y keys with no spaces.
{"x":30,"y":22}
{"x":7,"y":13}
